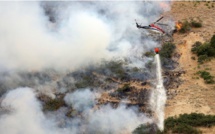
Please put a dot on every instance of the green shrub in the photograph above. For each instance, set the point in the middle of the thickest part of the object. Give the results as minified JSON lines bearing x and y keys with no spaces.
{"x":196,"y":24}
{"x":206,"y":76}
{"x":86,"y":81}
{"x":213,"y":41}
{"x":195,"y":47}
{"x":186,"y":26}
{"x":185,"y":129}
{"x":211,"y":52}
{"x":116,"y":67}
{"x":167,"y":50}
{"x":149,"y":54}
{"x":204,"y":51}
{"x":183,"y":124}
{"x":186,"y":123}
{"x":166,"y":54}
{"x":203,"y":58}
{"x":142,"y":129}
{"x":53,"y":104}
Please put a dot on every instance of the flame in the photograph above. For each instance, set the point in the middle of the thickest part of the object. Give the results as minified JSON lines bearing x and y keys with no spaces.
{"x":178,"y":25}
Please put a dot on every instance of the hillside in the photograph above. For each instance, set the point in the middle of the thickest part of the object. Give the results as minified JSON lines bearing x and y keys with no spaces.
{"x":88,"y":68}
{"x":193,"y":95}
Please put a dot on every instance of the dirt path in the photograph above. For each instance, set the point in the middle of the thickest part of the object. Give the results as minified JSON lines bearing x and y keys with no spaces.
{"x":193,"y":95}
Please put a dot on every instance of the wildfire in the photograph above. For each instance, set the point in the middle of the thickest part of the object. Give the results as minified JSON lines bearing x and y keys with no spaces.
{"x":178,"y":25}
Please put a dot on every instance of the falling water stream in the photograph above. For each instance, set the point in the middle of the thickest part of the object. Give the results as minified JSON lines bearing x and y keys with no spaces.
{"x":158,"y":96}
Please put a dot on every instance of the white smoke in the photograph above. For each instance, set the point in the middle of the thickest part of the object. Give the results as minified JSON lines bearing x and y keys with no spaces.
{"x":105,"y":119}
{"x":116,"y":121}
{"x":26,"y":116}
{"x":81,"y":100}
{"x":83,"y":32}
{"x":27,"y":44}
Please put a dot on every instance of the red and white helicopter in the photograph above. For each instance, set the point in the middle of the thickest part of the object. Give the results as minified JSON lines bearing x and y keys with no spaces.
{"x":153,"y":27}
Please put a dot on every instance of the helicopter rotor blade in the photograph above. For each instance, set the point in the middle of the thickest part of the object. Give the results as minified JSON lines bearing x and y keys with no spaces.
{"x":159,"y":19}
{"x":162,"y":24}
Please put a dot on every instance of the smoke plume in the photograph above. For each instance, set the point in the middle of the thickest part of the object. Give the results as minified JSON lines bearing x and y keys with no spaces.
{"x":81,"y":100}
{"x":25,"y":116}
{"x":68,"y":35}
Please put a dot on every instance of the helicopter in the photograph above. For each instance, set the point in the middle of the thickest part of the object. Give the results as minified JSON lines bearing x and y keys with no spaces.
{"x":152,"y":26}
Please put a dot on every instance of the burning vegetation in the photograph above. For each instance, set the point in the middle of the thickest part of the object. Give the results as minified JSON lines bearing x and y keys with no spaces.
{"x":186,"y":25}
{"x":178,"y":25}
